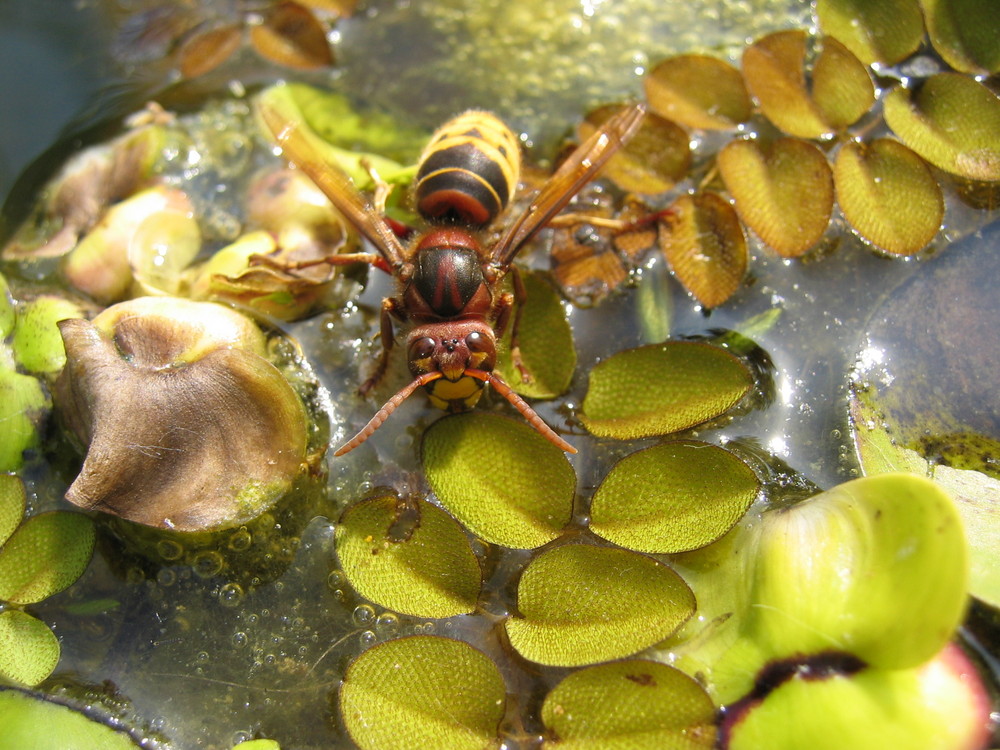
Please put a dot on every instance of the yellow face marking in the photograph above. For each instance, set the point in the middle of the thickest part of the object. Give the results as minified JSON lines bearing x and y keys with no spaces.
{"x":464,"y":392}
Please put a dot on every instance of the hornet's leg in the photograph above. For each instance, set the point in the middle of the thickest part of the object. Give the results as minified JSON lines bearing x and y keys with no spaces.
{"x":390,"y":307}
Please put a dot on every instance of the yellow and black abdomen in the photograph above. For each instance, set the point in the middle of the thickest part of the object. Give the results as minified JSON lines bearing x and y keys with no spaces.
{"x":469,"y":170}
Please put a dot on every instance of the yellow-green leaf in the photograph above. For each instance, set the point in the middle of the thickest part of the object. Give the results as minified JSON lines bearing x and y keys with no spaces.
{"x":841,"y":90}
{"x":888,"y":194}
{"x":629,"y":705}
{"x":652,"y":161}
{"x":37,"y":344}
{"x":545,"y":340}
{"x":29,"y":651}
{"x":876,"y":31}
{"x":952,"y":121}
{"x":46,"y":554}
{"x":672,"y":497}
{"x":423,"y":692}
{"x":966,"y":33}
{"x":703,"y":241}
{"x":23,"y":404}
{"x":698,"y":91}
{"x":580,"y":604}
{"x":783,"y":191}
{"x":29,"y":721}
{"x":500,"y":478}
{"x":12,"y":504}
{"x":410,"y":557}
{"x":662,"y":388}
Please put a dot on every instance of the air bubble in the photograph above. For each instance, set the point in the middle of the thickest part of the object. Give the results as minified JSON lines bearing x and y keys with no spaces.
{"x":387,"y":625}
{"x":230,"y":595}
{"x":240,"y":639}
{"x":367,"y":638}
{"x":240,"y":540}
{"x":207,"y":564}
{"x":169,"y":549}
{"x":363,"y":615}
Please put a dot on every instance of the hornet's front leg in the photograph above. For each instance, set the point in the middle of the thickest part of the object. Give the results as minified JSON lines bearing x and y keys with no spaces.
{"x":506,"y":304}
{"x":391,"y":307}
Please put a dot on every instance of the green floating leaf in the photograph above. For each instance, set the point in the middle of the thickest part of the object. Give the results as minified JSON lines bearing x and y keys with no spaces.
{"x":257,"y":745}
{"x":888,"y":194}
{"x":546,"y":342}
{"x":952,"y":121}
{"x":580,"y":604}
{"x":662,"y":388}
{"x":44,"y":556}
{"x":966,"y":33}
{"x":7,"y":310}
{"x":37,"y":344}
{"x":423,"y":691}
{"x":501,"y":479}
{"x":703,"y":241}
{"x":698,"y":91}
{"x":876,"y":31}
{"x":783,"y":191}
{"x":876,"y":567}
{"x":29,"y":651}
{"x":841,"y":92}
{"x":672,"y":497}
{"x":653,"y":160}
{"x":29,"y":721}
{"x":12,"y":505}
{"x":939,"y":705}
{"x":629,"y":705}
{"x":412,"y":557}
{"x":23,"y":404}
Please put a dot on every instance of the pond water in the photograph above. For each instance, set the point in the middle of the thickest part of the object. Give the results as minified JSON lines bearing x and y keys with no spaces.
{"x":205,"y":644}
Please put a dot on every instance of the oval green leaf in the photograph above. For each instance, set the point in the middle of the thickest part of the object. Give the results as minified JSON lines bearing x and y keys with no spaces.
{"x":37,"y":344}
{"x":653,"y":160}
{"x":501,"y":479}
{"x":580,"y":604}
{"x":410,"y":557}
{"x":629,"y":705}
{"x":966,"y":33}
{"x":12,"y":504}
{"x":23,"y":404}
{"x":28,"y":721}
{"x":888,"y":194}
{"x":876,"y":31}
{"x":545,"y":340}
{"x":44,"y":556}
{"x":662,"y":388}
{"x":423,"y":691}
{"x":952,"y":121}
{"x":842,"y":90}
{"x":703,"y":241}
{"x":876,"y":567}
{"x":29,"y":651}
{"x":783,"y":191}
{"x":673,"y":497}
{"x":698,"y":91}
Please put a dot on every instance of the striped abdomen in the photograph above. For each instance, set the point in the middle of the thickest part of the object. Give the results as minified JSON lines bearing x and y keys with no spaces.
{"x":468,"y":171}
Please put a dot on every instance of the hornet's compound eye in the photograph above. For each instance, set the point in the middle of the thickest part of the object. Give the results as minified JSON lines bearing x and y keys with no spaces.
{"x":422,"y":348}
{"x":477,"y":342}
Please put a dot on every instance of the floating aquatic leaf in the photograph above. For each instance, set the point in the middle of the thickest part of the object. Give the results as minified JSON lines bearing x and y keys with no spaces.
{"x":879,"y":31}
{"x":952,"y":121}
{"x":290,"y":35}
{"x":876,"y":567}
{"x":29,"y":651}
{"x":12,"y":504}
{"x":237,"y":431}
{"x":841,"y":90}
{"x":206,"y":49}
{"x":31,"y":721}
{"x":888,"y":194}
{"x":783,"y":191}
{"x":938,"y":705}
{"x":46,"y":554}
{"x":423,"y":691}
{"x":662,"y":388}
{"x":23,"y":406}
{"x":546,"y":343}
{"x":161,"y":248}
{"x":257,"y":745}
{"x":581,"y":604}
{"x":655,"y":158}
{"x":37,"y":344}
{"x":965,"y":33}
{"x":7,"y":311}
{"x":629,"y":705}
{"x":410,"y":557}
{"x":672,"y":497}
{"x":501,"y":479}
{"x":698,"y":91}
{"x":703,"y":240}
